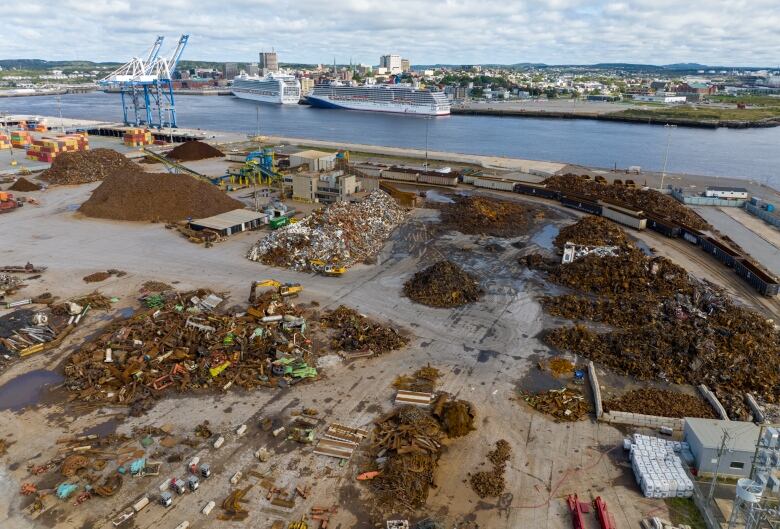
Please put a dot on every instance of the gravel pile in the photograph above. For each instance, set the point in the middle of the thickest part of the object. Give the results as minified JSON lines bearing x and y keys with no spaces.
{"x":194,"y":150}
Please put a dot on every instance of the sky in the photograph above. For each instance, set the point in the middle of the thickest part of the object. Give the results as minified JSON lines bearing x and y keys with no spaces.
{"x":713,"y":32}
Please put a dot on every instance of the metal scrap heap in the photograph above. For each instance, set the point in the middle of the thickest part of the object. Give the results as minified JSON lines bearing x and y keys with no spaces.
{"x":492,"y":483}
{"x":651,"y":401}
{"x":180,"y":342}
{"x":443,"y":284}
{"x":355,"y":332}
{"x":565,"y":404}
{"x":344,"y":233}
{"x":592,"y":231}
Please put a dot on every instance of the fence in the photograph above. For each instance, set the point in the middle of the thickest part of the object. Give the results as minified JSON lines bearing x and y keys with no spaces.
{"x":763,"y":214}
{"x":706,"y":201}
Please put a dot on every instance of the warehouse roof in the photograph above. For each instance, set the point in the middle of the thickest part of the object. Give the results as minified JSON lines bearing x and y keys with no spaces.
{"x":312,"y":154}
{"x":228,"y":219}
{"x":718,"y":188}
{"x":742,"y":435}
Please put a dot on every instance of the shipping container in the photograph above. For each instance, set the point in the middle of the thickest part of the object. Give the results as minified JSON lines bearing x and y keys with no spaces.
{"x":536,"y":190}
{"x":722,"y":253}
{"x":575,"y":202}
{"x":278,"y":222}
{"x":634,"y":221}
{"x":757,"y":278}
{"x":494,"y":183}
{"x":442,"y":180}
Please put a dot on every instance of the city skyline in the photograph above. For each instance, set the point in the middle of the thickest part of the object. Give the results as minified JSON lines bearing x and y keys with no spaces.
{"x":715,"y":33}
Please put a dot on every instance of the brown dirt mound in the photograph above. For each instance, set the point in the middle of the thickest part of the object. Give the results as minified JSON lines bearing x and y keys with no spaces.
{"x":592,"y":231}
{"x":443,"y":284}
{"x":82,"y":167}
{"x":139,"y":196}
{"x":194,"y":150}
{"x":649,"y":201}
{"x":24,"y":185}
{"x":477,"y":215}
{"x":663,"y":403}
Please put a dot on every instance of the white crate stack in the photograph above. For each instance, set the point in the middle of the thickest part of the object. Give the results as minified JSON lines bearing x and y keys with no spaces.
{"x":658,"y":468}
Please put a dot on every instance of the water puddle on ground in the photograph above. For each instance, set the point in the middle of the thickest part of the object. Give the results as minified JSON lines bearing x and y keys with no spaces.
{"x":642,"y":245}
{"x":27,"y":389}
{"x":435,"y":196}
{"x":103,"y":429}
{"x":537,"y":380}
{"x":545,"y":237}
{"x":126,"y":312}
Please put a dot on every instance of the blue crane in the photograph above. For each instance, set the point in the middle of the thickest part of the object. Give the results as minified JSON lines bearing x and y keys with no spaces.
{"x":146,"y":88}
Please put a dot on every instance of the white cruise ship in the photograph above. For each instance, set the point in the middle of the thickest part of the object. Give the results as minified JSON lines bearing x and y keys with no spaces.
{"x":401,"y":99}
{"x":273,"y":88}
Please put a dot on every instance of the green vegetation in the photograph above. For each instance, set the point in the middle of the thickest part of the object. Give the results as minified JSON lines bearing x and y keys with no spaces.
{"x":684,"y":511}
{"x":748,"y":99}
{"x":703,"y":114}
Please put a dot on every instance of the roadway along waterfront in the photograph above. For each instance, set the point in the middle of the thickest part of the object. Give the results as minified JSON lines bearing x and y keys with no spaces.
{"x":745,"y":153}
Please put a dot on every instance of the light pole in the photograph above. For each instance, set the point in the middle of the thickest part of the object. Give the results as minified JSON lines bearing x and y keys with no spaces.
{"x":669,"y":128}
{"x":59,"y":108}
{"x":427,"y":119}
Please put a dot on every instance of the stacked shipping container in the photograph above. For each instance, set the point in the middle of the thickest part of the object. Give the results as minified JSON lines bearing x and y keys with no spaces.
{"x":21,"y":139}
{"x":47,"y":149}
{"x":5,"y":141}
{"x":138,"y":137}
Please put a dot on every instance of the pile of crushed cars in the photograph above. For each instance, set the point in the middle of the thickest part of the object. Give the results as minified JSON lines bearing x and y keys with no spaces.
{"x":343,"y":233}
{"x":669,"y":326}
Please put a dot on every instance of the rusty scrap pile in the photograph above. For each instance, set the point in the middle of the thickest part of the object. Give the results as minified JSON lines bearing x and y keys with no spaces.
{"x":564,"y":404}
{"x":648,"y":200}
{"x":97,"y":277}
{"x":492,"y":483}
{"x":194,"y":150}
{"x":479,"y":215}
{"x":443,"y":284}
{"x":593,"y":231}
{"x":664,"y":403}
{"x":138,"y":196}
{"x":343,"y":233}
{"x":355,"y":332}
{"x":24,"y":185}
{"x":456,"y":416}
{"x":618,"y":311}
{"x":423,"y":380}
{"x":82,"y":167}
{"x":561,"y":367}
{"x":180,"y":342}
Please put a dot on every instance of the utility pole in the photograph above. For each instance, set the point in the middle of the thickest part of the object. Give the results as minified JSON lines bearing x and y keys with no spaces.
{"x":666,"y":156}
{"x":59,"y":108}
{"x":427,"y":119}
{"x":721,"y":451}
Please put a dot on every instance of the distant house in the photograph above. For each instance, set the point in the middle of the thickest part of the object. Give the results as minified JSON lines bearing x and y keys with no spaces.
{"x":733,"y":193}
{"x":655,"y":86}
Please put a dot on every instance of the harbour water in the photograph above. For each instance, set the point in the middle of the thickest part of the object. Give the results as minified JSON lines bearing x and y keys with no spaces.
{"x":745,"y":153}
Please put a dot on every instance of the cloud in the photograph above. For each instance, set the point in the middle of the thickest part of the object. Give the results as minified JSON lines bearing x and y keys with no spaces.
{"x":717,"y":32}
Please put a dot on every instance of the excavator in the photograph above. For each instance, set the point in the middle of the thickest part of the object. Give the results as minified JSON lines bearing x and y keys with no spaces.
{"x":327,"y":269}
{"x":284,"y":289}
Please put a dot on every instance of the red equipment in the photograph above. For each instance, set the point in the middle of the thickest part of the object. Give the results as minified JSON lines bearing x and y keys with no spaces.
{"x":577,"y":508}
{"x":606,"y":520}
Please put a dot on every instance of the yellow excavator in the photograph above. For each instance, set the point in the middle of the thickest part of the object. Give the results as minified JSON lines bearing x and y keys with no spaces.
{"x":327,"y":269}
{"x":285,"y":290}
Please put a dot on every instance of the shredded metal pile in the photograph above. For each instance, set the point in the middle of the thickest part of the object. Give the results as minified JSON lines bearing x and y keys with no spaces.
{"x":492,"y":483}
{"x":443,"y":284}
{"x":663,"y":403}
{"x":456,"y":416}
{"x":479,"y":215}
{"x":355,"y":332}
{"x":423,"y":380}
{"x":24,"y":185}
{"x":344,"y":233}
{"x":194,"y":150}
{"x":648,"y":200}
{"x":82,"y":167}
{"x":592,"y":231}
{"x":140,"y":196}
{"x":564,"y":404}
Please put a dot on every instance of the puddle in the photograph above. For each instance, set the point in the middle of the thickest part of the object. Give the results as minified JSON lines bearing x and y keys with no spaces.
{"x":642,"y":245}
{"x":103,"y":429}
{"x":544,"y":237}
{"x":26,"y":389}
{"x":435,"y":196}
{"x":537,"y":380}
{"x":126,"y":312}
{"x":72,"y":207}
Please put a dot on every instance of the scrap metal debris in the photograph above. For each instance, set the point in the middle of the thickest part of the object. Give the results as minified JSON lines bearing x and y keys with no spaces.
{"x":663,"y":403}
{"x":482,"y":215}
{"x":565,"y":404}
{"x":344,"y":233}
{"x":423,"y":380}
{"x":82,"y":167}
{"x":355,"y":332}
{"x":593,"y":231}
{"x":190,"y":151}
{"x":97,"y":277}
{"x":492,"y":483}
{"x":443,"y":284}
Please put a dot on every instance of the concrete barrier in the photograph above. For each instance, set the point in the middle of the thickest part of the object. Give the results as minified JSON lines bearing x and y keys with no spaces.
{"x":758,"y":414}
{"x":594,"y":385}
{"x":642,"y":421}
{"x":714,"y":402}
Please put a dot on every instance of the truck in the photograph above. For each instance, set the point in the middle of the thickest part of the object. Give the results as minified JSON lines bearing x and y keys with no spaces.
{"x":205,"y":470}
{"x":178,"y":485}
{"x":193,"y":483}
{"x":8,"y":203}
{"x":166,"y":499}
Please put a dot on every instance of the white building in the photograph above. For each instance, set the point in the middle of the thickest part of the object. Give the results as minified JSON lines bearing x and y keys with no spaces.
{"x":734,"y":193}
{"x":392,"y":62}
{"x":662,"y":98}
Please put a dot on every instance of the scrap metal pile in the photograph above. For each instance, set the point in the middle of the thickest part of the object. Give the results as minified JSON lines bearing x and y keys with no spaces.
{"x":138,"y":196}
{"x":354,"y":332}
{"x":564,"y":404}
{"x":479,"y":215}
{"x":664,"y":403}
{"x":592,"y":231}
{"x":492,"y":483}
{"x":24,"y":185}
{"x":344,"y":233}
{"x":194,"y":150}
{"x":181,"y":343}
{"x":670,"y":326}
{"x":647,"y":200}
{"x":443,"y":284}
{"x":82,"y":167}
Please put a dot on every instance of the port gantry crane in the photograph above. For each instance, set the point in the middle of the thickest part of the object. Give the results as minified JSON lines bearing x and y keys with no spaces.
{"x":146,"y":88}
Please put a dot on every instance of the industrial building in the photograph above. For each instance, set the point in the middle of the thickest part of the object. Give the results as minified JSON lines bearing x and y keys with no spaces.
{"x":705,"y":437}
{"x":325,"y":188}
{"x":230,"y":70}
{"x":734,"y":193}
{"x":230,"y":222}
{"x":316,"y":160}
{"x":268,"y":62}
